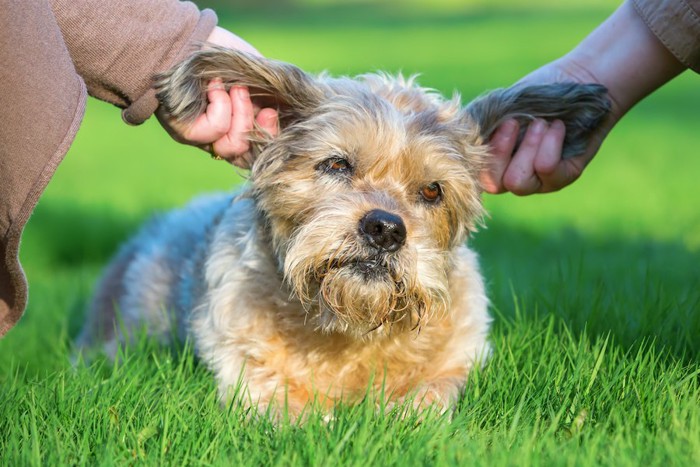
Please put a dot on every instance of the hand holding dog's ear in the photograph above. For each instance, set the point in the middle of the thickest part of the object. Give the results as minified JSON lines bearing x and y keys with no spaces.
{"x":541,"y":136}
{"x":534,"y":160}
{"x":224,"y":126}
{"x":624,"y":55}
{"x":536,"y":166}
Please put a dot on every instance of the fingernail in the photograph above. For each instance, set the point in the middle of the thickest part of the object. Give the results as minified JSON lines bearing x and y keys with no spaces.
{"x":559,"y":125}
{"x":243,"y":92}
{"x":216,"y":83}
{"x":510,"y":125}
{"x":538,"y":125}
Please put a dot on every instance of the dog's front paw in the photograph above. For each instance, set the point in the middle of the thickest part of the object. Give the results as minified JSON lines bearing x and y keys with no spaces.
{"x":438,"y":397}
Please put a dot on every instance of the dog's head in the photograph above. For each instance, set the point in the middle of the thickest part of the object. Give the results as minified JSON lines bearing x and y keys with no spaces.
{"x":372,"y":182}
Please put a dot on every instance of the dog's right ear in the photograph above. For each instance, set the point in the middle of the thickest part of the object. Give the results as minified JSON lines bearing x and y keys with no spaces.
{"x":582,"y":108}
{"x":182,"y":91}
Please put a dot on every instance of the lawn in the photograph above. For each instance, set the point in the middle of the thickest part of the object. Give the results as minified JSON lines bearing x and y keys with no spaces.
{"x":595,"y":289}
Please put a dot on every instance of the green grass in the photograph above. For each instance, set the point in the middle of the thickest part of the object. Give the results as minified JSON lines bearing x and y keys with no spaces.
{"x":595,"y":290}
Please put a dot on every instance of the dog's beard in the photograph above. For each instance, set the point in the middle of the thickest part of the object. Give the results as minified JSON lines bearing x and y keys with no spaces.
{"x":348,"y":287}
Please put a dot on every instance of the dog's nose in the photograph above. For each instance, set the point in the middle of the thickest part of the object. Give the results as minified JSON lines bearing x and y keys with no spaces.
{"x":383,"y":230}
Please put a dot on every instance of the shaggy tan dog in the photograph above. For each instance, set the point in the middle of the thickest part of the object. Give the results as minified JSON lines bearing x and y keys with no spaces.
{"x":343,"y":263}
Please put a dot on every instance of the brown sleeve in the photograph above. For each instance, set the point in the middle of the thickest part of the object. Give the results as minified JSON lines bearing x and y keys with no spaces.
{"x":117,"y":46}
{"x":42,"y":101}
{"x":677,"y":25}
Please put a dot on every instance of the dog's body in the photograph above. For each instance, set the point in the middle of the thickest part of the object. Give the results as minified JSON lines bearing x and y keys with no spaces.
{"x":212,"y":276}
{"x":343,"y":263}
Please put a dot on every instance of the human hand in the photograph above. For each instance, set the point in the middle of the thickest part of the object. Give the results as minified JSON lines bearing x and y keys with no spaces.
{"x":536,"y":165}
{"x":623,"y":55}
{"x":223,"y":129}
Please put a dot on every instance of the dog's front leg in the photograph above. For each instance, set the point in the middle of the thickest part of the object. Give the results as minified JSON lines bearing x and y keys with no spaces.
{"x":439,"y":395}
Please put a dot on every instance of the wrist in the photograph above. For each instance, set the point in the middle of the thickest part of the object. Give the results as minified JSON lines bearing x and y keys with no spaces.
{"x":224,"y":38}
{"x":626,"y":57}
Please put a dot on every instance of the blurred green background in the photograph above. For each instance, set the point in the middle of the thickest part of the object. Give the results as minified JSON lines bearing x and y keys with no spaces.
{"x":616,"y":252}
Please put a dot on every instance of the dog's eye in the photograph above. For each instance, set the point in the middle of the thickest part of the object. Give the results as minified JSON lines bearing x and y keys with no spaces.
{"x":335,"y":165}
{"x":432,"y":193}
{"x":339,"y":165}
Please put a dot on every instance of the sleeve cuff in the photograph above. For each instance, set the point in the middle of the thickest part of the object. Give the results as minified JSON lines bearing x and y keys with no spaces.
{"x":677,"y":25}
{"x":142,"y":108}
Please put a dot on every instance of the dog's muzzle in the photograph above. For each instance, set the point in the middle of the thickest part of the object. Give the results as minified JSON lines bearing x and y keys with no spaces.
{"x":383,"y":230}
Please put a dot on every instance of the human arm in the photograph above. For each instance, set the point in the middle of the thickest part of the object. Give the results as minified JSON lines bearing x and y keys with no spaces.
{"x":118,"y":47}
{"x":622,"y":54}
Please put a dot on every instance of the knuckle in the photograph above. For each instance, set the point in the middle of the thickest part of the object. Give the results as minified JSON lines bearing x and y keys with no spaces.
{"x":216,"y":133}
{"x":512,"y":181}
{"x":545,"y":167}
{"x":517,"y":185}
{"x":212,"y":128}
{"x":519,"y":191}
{"x":576,"y":172}
{"x":490,"y":181}
{"x":489,"y":186}
{"x":237,"y":147}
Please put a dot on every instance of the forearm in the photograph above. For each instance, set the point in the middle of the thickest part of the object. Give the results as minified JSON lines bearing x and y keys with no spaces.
{"x":624,"y":55}
{"x":640,"y":47}
{"x":117,"y":47}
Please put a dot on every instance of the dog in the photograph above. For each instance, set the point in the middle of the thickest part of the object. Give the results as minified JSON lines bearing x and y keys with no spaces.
{"x":341,"y":267}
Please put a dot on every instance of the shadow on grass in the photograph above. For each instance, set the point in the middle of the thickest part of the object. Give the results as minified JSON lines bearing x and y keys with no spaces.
{"x":634,"y":289}
{"x":67,"y":235}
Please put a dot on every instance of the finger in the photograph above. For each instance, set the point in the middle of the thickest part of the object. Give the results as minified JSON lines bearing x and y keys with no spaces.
{"x":501,"y":145}
{"x":520,"y":177}
{"x":267,"y":127}
{"x":235,"y":143}
{"x":268,"y":122}
{"x":553,"y":172}
{"x":214,"y":122}
{"x":549,"y":154}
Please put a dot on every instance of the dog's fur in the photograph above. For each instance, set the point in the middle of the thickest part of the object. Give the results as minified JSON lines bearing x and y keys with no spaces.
{"x":343,"y":261}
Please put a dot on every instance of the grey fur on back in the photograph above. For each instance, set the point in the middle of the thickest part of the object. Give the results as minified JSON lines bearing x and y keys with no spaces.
{"x":154,"y":279}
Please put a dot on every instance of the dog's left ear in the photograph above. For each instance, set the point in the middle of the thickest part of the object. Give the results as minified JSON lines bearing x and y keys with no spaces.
{"x":582,"y":108}
{"x":182,"y":90}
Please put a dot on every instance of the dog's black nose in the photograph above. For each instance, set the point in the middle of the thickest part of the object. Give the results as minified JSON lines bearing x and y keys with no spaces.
{"x":383,"y":230}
